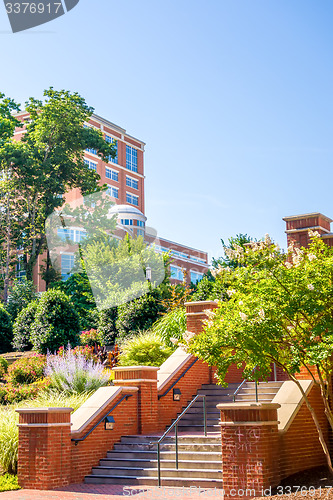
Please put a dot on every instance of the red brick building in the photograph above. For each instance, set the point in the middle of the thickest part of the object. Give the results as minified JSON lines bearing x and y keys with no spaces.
{"x":297,"y":228}
{"x":124,"y":177}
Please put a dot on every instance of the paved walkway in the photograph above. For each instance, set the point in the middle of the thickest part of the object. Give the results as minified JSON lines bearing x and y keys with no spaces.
{"x":114,"y":492}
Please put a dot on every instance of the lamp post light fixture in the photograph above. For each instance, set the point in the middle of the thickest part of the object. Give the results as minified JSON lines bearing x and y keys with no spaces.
{"x":176,"y":394}
{"x":109,"y":423}
{"x":148,"y":273}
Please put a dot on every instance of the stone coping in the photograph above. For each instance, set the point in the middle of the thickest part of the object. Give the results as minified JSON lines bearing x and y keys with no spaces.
{"x":44,"y":410}
{"x":135,"y":368}
{"x":248,"y":406}
{"x":200,"y":302}
{"x":290,"y":398}
{"x":171,"y":366}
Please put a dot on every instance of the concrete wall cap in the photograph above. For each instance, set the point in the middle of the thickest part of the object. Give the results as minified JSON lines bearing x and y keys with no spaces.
{"x":248,"y":406}
{"x":172,"y":366}
{"x":290,"y":399}
{"x":44,"y":410}
{"x":135,"y":368}
{"x":201,"y":302}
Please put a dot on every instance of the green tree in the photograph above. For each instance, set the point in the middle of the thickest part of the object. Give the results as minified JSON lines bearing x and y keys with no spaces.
{"x":47,"y":163}
{"x":22,"y":328}
{"x":231,"y":251}
{"x":279,"y":310}
{"x":21,"y":294}
{"x":6,"y":330}
{"x":56,"y":323}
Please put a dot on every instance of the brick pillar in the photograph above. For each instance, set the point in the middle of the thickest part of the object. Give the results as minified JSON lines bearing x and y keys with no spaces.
{"x":196,"y":313}
{"x":250,"y":449}
{"x":145,"y":378}
{"x":44,"y":453}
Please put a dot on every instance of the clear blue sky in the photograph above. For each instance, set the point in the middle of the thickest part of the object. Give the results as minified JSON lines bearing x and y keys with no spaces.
{"x":233,"y":98}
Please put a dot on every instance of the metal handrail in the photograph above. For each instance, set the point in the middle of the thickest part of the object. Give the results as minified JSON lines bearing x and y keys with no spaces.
{"x":241,"y":385}
{"x":175,"y":424}
{"x":178,"y":379}
{"x":76,"y":440}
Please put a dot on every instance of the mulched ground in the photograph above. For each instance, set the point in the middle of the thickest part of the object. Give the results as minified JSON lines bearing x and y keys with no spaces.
{"x":312,"y":484}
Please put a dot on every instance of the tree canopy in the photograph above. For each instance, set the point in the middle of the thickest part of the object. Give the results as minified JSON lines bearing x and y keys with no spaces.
{"x":279,"y":309}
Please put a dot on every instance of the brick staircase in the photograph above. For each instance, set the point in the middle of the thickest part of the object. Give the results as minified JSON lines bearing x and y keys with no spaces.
{"x":134,"y":459}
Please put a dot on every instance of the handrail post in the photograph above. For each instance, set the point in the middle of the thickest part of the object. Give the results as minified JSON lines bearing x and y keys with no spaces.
{"x":159,"y":464}
{"x":205,"y":414}
{"x":275,"y":376}
{"x":176,"y":436}
{"x":256,"y":386}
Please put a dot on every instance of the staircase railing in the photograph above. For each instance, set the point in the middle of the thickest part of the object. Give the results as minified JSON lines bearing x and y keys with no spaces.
{"x":175,"y":425}
{"x":241,"y":385}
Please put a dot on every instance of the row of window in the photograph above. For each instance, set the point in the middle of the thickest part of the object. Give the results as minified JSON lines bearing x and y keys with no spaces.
{"x":113,"y":174}
{"x":75,"y":235}
{"x":179,"y":254}
{"x":129,"y":222}
{"x":131,"y":154}
{"x":177,"y":274}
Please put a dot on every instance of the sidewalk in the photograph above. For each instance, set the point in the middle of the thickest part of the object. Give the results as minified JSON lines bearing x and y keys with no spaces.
{"x":113,"y":492}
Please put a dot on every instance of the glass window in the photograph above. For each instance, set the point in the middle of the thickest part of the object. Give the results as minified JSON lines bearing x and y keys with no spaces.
{"x":91,"y":164}
{"x":131,"y":198}
{"x":111,"y":174}
{"x":67,"y":264}
{"x":20,"y":272}
{"x":140,"y":232}
{"x":176,"y":273}
{"x":127,"y":222}
{"x":92,"y":151}
{"x":112,"y":191}
{"x":133,"y":183}
{"x":196,"y":277}
{"x":140,"y":223}
{"x":113,"y":141}
{"x":131,"y":159}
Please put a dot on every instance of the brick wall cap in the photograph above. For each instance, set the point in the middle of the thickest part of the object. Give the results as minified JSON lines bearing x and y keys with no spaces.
{"x":135,"y":368}
{"x":306,"y":216}
{"x":44,"y":410}
{"x":248,"y":406}
{"x":200,"y":302}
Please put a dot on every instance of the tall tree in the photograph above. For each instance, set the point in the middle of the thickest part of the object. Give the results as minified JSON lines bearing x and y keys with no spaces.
{"x":48,"y":162}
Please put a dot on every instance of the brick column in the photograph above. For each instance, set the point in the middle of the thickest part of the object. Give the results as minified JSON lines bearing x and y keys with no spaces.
{"x":145,"y":378}
{"x":44,"y":454}
{"x":196,"y":313}
{"x":250,"y":449}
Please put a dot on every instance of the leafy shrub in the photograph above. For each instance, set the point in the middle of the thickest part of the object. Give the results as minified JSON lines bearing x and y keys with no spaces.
{"x":72,"y":373}
{"x":8,"y":440}
{"x":10,"y":394}
{"x":22,"y":328}
{"x":171,"y":326}
{"x":91,"y":337}
{"x":56,"y":322}
{"x":107,"y":325}
{"x":3,"y":366}
{"x":21,"y":294}
{"x":6,"y":330}
{"x":146,"y":348}
{"x":9,"y":482}
{"x":26,"y":370}
{"x":139,"y":314}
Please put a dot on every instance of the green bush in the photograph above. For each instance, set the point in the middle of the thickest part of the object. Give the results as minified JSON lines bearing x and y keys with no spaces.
{"x":9,"y":482}
{"x":171,"y":326}
{"x":26,"y":370}
{"x":91,"y":337}
{"x":56,"y":323}
{"x":22,"y":328}
{"x":3,"y":367}
{"x":146,"y":348}
{"x":8,"y":440}
{"x":139,"y":314}
{"x":107,"y":325}
{"x":6,"y":330}
{"x":10,"y":394}
{"x":21,"y":294}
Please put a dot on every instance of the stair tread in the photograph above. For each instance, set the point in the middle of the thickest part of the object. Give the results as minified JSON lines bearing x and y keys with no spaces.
{"x":165,"y":469}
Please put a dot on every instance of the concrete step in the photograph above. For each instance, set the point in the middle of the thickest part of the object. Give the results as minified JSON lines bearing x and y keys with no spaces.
{"x":165,"y":464}
{"x":152,"y":472}
{"x":217,"y":386}
{"x":167,"y":447}
{"x":139,"y":439}
{"x":200,"y":456}
{"x":151,"y":481}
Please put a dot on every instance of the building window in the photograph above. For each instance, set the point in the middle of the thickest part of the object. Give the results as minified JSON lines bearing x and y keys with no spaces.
{"x":140,"y":232}
{"x":176,"y":273}
{"x":90,"y":164}
{"x":132,"y":183}
{"x":113,"y":141}
{"x":196,"y":277}
{"x":112,"y":191}
{"x":74,"y":235}
{"x":131,"y":198}
{"x":131,"y":159}
{"x":92,"y":151}
{"x":67,"y":264}
{"x":140,"y":223}
{"x":20,"y":271}
{"x":111,"y":174}
{"x":127,"y":222}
